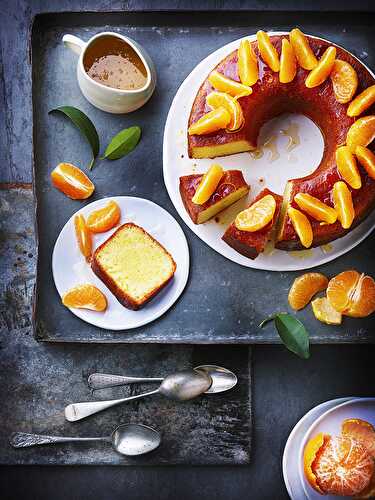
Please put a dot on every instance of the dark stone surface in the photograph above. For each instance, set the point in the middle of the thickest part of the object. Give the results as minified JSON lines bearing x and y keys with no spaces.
{"x":231,"y":299}
{"x":285,"y":387}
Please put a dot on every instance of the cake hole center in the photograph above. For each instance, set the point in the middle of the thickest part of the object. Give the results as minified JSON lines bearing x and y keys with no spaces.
{"x":290,"y":146}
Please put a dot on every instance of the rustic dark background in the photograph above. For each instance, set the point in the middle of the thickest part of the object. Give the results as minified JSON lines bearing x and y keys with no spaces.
{"x":284,"y":386}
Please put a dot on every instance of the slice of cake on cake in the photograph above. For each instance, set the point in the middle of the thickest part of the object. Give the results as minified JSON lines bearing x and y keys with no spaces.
{"x":252,"y":243}
{"x":231,"y":187}
{"x":133,"y":265}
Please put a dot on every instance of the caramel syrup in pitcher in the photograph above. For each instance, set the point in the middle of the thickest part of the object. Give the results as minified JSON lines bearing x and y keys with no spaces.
{"x":112,"y":62}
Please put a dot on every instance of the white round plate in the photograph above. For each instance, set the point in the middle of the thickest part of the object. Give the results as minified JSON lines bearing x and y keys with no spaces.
{"x":330,"y":423}
{"x":290,"y":457}
{"x":69,"y":267}
{"x":300,"y":161}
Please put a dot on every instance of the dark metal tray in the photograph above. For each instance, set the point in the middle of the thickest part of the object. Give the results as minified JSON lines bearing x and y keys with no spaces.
{"x":223,"y":302}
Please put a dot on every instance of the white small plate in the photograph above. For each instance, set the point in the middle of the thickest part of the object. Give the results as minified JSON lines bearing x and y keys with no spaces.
{"x":330,"y":423}
{"x":69,"y":267}
{"x":291,"y":164}
{"x":290,"y":457}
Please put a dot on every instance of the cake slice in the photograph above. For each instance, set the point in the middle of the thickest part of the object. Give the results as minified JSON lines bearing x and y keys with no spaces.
{"x":231,"y":188}
{"x":133,"y":265}
{"x":252,"y":244}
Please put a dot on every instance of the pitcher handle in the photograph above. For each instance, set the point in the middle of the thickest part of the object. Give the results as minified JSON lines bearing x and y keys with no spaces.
{"x":74,"y":43}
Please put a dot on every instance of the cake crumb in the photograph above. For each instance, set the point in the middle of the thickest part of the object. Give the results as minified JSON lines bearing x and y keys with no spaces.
{"x":217,"y":219}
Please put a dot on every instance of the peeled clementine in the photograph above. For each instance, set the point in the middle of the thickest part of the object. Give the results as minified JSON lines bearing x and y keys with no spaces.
{"x":342,"y":466}
{"x":352,"y":294}
{"x":288,"y":63}
{"x":72,"y":181}
{"x":344,"y":81}
{"x":323,"y":69}
{"x":315,"y":208}
{"x":247,"y":64}
{"x":105,"y":218}
{"x":85,"y":296}
{"x":362,"y":102}
{"x":208,"y":184}
{"x":267,"y":51}
{"x":227,"y":85}
{"x":360,"y":430}
{"x":367,"y":159}
{"x":83,"y":236}
{"x":218,"y":99}
{"x":361,"y":133}
{"x":211,"y":122}
{"x":343,"y":203}
{"x":257,"y":216}
{"x":304,"y":288}
{"x":301,"y":226}
{"x":347,"y":167}
{"x":305,"y":56}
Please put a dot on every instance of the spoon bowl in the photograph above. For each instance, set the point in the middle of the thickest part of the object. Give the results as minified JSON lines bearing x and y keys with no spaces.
{"x":135,"y":439}
{"x":222,"y":378}
{"x":185,"y":385}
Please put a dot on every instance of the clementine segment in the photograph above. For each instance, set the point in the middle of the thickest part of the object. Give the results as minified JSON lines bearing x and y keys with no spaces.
{"x":257,"y":216}
{"x":208,"y":184}
{"x":83,"y":236}
{"x":315,"y":208}
{"x":344,"y":81}
{"x":323,"y":69}
{"x":360,"y":430}
{"x":105,"y":218}
{"x":347,"y":167}
{"x":85,"y":296}
{"x":362,"y":102}
{"x":247,"y":64}
{"x":72,"y":181}
{"x":342,"y":466}
{"x":343,"y":203}
{"x":288,"y":63}
{"x":361,"y":133}
{"x":267,"y":51}
{"x":220,"y":99}
{"x":341,"y":288}
{"x":305,"y":56}
{"x":301,"y":226}
{"x":227,"y":85}
{"x":367,"y":159}
{"x":304,"y":288}
{"x":211,"y":122}
{"x":324,"y":312}
{"x":362,"y":301}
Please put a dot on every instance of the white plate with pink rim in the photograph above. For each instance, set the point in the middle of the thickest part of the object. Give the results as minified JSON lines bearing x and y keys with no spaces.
{"x":70,"y":268}
{"x":330,"y":423}
{"x":273,"y":170}
{"x":291,"y":475}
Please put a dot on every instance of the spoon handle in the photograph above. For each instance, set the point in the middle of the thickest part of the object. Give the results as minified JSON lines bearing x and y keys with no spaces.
{"x":104,"y":380}
{"x":78,"y":411}
{"x":24,"y":439}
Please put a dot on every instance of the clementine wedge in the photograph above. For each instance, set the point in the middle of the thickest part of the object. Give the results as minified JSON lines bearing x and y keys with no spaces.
{"x":85,"y":296}
{"x":305,"y":56}
{"x":211,"y":122}
{"x":72,"y":181}
{"x":227,"y":85}
{"x":347,"y":167}
{"x":304,"y":288}
{"x":288,"y":63}
{"x":362,"y":102}
{"x":343,"y":203}
{"x":324,"y":312}
{"x":267,"y":51}
{"x":361,"y":133}
{"x":344,"y":80}
{"x":257,"y":216}
{"x":316,"y":208}
{"x":83,"y":236}
{"x":221,"y":99}
{"x":302,"y":226}
{"x":367,"y":159}
{"x":247,"y":64}
{"x":208,"y":184}
{"x":104,"y":219}
{"x":323,"y":69}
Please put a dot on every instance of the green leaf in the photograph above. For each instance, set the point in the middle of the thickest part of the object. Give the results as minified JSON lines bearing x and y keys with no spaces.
{"x":122,"y":143}
{"x":292,"y":332}
{"x":85,"y":126}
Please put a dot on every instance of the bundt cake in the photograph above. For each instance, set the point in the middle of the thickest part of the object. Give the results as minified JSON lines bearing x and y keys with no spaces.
{"x":303,"y":93}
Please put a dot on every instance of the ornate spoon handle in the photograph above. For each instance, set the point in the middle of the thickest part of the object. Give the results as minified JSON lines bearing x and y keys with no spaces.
{"x":24,"y":439}
{"x":104,"y":380}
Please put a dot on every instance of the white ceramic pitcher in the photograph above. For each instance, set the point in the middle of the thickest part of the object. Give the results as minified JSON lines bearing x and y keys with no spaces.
{"x":107,"y":98}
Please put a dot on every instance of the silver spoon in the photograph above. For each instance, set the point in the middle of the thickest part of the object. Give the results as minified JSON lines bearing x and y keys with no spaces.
{"x":127,"y":439}
{"x":222,"y":379}
{"x":180,"y":386}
